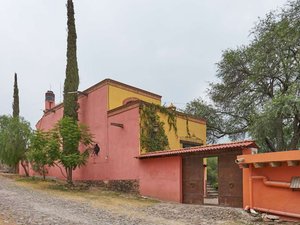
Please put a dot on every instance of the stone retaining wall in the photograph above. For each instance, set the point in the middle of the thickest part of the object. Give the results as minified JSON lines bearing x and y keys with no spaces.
{"x":127,"y":186}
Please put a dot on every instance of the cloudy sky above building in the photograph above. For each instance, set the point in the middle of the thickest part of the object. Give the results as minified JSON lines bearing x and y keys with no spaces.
{"x":169,"y":47}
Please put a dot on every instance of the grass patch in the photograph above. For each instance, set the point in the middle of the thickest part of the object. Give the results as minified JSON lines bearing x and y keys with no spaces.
{"x":59,"y":187}
{"x":28,"y":179}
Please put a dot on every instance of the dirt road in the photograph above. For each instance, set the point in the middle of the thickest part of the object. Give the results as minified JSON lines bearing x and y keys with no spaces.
{"x":20,"y":204}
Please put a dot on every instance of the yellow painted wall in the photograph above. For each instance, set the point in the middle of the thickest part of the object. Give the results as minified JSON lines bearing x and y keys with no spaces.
{"x":116,"y":96}
{"x":197,"y":131}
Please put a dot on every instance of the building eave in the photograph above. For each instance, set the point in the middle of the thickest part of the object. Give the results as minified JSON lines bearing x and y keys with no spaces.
{"x":123,"y":85}
{"x":215,"y":148}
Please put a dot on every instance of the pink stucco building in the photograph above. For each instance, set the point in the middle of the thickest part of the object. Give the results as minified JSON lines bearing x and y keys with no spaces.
{"x":112,"y":110}
{"x":115,"y":114}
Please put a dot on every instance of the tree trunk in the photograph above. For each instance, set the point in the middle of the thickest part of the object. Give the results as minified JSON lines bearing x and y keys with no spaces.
{"x":25,"y":169}
{"x":279,"y":134}
{"x":44,"y":173}
{"x":69,"y":172}
{"x":270,"y":145}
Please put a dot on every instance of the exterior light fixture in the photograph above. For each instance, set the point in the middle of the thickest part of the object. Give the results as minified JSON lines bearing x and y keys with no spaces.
{"x":96,"y":150}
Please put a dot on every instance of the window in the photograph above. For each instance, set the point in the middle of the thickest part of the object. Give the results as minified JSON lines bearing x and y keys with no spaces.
{"x":188,"y":144}
{"x":128,"y":100}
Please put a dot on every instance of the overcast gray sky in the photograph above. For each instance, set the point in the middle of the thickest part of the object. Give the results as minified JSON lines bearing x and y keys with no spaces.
{"x":169,"y":47}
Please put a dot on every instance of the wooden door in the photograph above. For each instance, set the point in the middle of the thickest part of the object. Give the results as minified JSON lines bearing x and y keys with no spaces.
{"x":192,"y":179}
{"x":230,"y":179}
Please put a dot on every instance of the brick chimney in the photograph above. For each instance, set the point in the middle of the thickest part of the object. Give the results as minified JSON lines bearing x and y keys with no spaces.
{"x":49,"y":100}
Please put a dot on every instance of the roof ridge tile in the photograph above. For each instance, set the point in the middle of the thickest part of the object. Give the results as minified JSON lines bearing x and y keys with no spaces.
{"x":203,"y":148}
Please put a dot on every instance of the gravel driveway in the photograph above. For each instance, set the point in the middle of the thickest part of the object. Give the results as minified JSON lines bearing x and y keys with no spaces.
{"x":20,"y":205}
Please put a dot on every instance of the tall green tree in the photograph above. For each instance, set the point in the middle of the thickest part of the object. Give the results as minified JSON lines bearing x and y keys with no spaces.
{"x":43,"y":151}
{"x":72,"y":77}
{"x":258,"y":95}
{"x":70,"y":97}
{"x":15,"y":133}
{"x":68,"y":133}
{"x":214,"y":121}
{"x":46,"y":148}
{"x":16,"y":107}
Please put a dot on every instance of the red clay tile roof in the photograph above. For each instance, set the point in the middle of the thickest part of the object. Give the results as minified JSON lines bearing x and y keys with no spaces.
{"x":204,"y":148}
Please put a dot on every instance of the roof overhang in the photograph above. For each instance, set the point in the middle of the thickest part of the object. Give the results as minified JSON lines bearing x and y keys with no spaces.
{"x":204,"y":149}
{"x":272,"y":159}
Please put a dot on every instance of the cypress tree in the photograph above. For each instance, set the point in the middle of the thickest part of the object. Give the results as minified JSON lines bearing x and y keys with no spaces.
{"x":16,"y":107}
{"x":72,"y":77}
{"x":70,"y":95}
